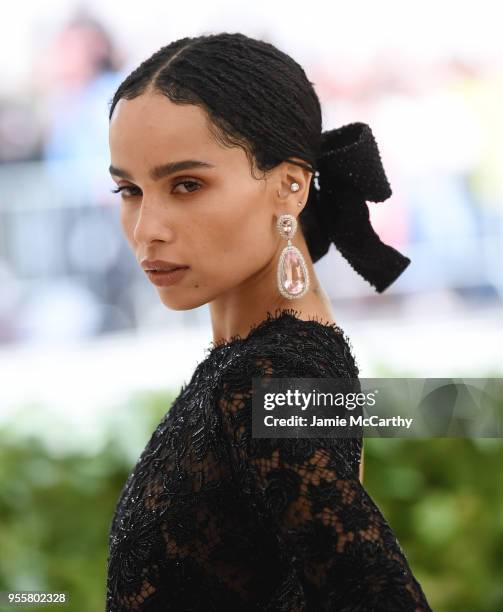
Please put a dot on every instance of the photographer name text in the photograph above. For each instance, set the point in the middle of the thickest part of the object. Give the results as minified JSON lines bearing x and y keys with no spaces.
{"x":354,"y":421}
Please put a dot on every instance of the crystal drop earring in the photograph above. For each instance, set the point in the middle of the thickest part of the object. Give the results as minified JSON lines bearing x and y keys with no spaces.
{"x":292,"y":273}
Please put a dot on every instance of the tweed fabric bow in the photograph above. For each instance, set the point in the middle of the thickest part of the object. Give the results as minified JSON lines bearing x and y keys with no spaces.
{"x":349,"y":174}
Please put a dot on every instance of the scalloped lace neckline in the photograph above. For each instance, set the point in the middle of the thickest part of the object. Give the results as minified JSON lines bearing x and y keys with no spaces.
{"x":279,"y":315}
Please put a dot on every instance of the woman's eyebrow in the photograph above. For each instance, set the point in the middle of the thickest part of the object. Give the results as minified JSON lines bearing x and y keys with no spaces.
{"x":159,"y":172}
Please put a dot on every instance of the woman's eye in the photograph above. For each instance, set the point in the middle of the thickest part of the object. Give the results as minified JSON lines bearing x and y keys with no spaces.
{"x":185,"y":183}
{"x":123,"y":189}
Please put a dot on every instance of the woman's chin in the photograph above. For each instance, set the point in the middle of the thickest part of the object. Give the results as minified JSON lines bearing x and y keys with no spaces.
{"x":180,"y":302}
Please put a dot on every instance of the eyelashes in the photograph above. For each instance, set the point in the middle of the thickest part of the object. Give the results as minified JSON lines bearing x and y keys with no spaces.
{"x":121,"y":189}
{"x":125,"y":190}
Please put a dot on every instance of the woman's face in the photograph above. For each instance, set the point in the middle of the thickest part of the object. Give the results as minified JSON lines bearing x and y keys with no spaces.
{"x":217,"y":219}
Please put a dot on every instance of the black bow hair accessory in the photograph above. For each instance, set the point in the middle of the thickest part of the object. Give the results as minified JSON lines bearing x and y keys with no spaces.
{"x":349,"y":174}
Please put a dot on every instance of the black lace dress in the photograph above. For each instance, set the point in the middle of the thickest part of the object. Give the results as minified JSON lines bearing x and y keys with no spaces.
{"x":211,"y":519}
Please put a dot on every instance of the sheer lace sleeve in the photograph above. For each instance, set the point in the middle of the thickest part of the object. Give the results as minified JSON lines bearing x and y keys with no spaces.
{"x":345,"y":554}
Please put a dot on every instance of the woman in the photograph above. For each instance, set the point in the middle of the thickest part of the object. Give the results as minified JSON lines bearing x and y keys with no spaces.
{"x":214,"y":142}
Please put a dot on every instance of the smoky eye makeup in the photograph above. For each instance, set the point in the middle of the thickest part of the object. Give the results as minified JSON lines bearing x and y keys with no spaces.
{"x":190,"y":186}
{"x":123,"y":189}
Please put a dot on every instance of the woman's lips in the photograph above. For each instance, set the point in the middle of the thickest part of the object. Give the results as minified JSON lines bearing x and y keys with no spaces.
{"x":164,"y":279}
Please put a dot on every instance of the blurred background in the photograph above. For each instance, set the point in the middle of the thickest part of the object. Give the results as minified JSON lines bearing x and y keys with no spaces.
{"x":87,"y":350}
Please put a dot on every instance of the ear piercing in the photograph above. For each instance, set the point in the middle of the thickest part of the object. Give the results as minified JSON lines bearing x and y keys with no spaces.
{"x":294,"y":187}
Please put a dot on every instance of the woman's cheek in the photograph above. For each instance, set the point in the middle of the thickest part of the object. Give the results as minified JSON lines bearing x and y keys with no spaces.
{"x":123,"y":221}
{"x":127,"y":222}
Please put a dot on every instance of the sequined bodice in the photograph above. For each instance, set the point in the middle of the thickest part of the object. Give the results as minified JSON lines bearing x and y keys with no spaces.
{"x":213,"y":519}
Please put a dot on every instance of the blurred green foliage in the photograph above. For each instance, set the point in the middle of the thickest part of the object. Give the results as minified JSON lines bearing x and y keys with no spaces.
{"x":443,"y":498}
{"x":55,"y":511}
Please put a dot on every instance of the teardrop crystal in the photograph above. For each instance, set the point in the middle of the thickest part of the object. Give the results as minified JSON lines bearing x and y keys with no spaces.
{"x":293,"y":277}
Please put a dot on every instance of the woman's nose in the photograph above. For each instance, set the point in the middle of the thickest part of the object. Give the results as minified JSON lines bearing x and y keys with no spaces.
{"x":152,"y":224}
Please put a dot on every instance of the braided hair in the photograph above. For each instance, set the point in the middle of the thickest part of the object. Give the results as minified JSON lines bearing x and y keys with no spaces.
{"x":258,"y":98}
